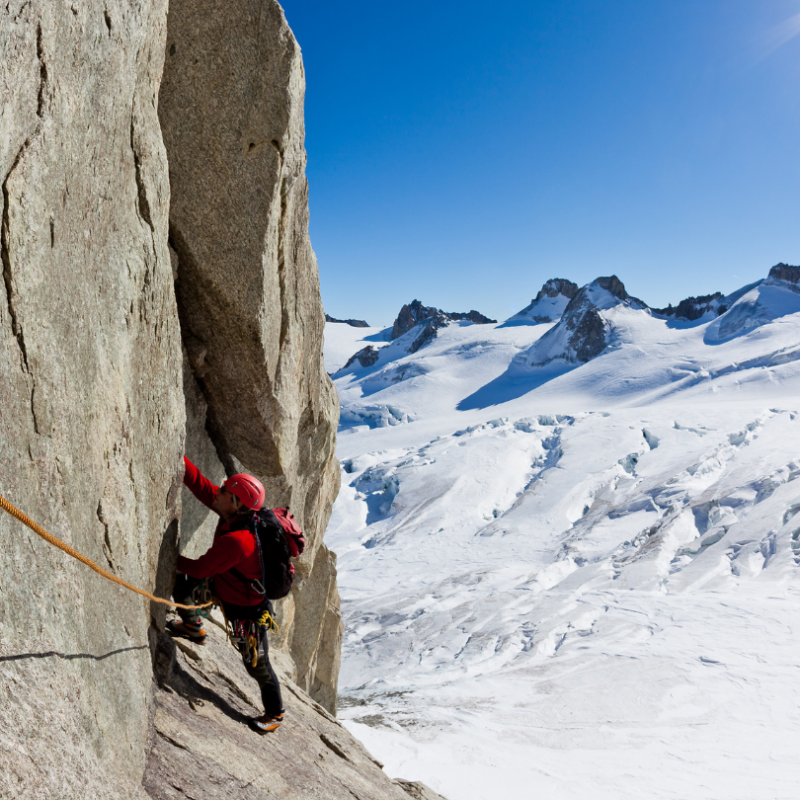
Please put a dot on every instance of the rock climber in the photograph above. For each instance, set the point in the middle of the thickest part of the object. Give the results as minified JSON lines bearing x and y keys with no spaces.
{"x":232,"y":567}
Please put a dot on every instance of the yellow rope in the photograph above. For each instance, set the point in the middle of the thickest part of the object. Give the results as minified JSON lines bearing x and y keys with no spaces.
{"x":26,"y":520}
{"x":268,"y":622}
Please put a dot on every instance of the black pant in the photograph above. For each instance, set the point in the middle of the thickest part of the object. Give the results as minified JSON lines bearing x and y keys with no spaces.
{"x":262,"y":672}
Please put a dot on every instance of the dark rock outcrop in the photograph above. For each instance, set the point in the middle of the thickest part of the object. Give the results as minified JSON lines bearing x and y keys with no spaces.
{"x":366,"y":357}
{"x":583,"y":332}
{"x":247,"y":284}
{"x":785,"y":272}
{"x":355,"y":323}
{"x":414,"y":313}
{"x":556,"y":286}
{"x":692,"y":308}
{"x":549,"y":303}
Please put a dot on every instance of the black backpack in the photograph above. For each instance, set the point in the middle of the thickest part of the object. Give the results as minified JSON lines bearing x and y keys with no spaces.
{"x":278,"y":539}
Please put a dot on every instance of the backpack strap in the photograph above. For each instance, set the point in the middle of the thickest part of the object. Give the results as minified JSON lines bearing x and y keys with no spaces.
{"x":256,"y":585}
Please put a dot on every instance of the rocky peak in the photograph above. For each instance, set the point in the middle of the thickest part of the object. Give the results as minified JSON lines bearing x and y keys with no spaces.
{"x":549,"y":303}
{"x":785,"y":272}
{"x":414,"y":313}
{"x":583,"y":331}
{"x":615,"y":286}
{"x":555,"y":287}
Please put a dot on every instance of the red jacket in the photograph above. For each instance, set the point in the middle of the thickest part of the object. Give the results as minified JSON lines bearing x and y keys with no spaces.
{"x":234,"y":546}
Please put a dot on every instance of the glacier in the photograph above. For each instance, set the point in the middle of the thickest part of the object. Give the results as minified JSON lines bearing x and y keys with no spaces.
{"x":581,"y":579}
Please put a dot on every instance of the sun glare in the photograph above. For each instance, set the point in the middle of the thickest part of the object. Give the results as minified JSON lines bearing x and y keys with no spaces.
{"x":779,"y":35}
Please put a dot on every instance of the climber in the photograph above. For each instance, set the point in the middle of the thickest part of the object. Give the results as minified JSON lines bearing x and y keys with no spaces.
{"x":233,"y":552}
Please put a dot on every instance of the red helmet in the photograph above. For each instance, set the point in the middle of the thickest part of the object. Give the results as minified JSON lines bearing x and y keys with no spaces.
{"x":247,"y":488}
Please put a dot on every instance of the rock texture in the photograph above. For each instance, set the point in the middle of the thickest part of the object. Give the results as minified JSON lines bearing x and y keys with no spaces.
{"x":231,"y":110}
{"x":583,"y":332}
{"x":117,"y":355}
{"x":91,"y":403}
{"x":204,"y":750}
{"x":555,"y":287}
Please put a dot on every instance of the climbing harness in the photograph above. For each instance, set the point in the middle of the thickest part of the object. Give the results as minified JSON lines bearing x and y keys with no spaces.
{"x":244,"y":633}
{"x":26,"y":520}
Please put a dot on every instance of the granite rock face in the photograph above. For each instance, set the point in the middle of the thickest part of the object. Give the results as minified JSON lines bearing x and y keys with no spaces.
{"x":248,"y":288}
{"x":583,"y":332}
{"x":91,"y":402}
{"x":204,"y":749}
{"x":118,"y":353}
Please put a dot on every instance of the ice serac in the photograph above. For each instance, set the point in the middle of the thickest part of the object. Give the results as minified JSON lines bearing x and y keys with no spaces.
{"x":586,"y":327}
{"x":231,"y":110}
{"x":91,"y":403}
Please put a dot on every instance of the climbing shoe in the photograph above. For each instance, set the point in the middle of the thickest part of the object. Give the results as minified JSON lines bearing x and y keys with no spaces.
{"x":187,"y":630}
{"x":267,"y":723}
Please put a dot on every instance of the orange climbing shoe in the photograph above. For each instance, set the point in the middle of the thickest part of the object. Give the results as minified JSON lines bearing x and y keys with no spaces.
{"x":187,"y":630}
{"x":267,"y":723}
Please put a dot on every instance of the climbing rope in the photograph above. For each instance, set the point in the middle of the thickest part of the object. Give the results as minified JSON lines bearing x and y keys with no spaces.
{"x":26,"y":520}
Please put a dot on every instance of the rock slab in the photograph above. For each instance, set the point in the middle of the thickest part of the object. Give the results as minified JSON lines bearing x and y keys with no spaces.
{"x":91,"y":403}
{"x":248,"y":288}
{"x":203,"y":748}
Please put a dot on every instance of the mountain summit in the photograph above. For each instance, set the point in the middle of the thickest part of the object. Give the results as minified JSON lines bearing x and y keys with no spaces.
{"x":548,"y":305}
{"x":584,"y":329}
{"x":414,"y":313}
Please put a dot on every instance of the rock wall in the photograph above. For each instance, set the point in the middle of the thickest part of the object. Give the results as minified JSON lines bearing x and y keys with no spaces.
{"x":118,"y":353}
{"x":203,"y":749}
{"x":91,"y":404}
{"x":248,"y":288}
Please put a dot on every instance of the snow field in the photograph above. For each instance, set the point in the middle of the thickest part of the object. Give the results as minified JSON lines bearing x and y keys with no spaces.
{"x":585,"y":583}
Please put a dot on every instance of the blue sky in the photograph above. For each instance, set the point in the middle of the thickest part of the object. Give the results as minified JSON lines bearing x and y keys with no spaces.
{"x":462,"y":153}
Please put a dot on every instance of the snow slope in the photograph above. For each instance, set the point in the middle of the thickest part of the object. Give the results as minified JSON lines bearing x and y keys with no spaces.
{"x":578,"y":581}
{"x":343,"y":340}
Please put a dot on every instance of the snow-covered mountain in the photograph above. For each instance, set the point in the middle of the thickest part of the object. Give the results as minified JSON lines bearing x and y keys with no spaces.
{"x":578,"y":579}
{"x":548,"y":305}
{"x":587,"y":326}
